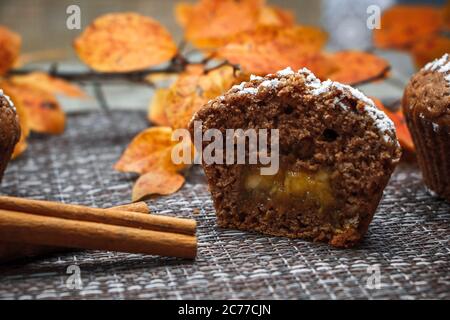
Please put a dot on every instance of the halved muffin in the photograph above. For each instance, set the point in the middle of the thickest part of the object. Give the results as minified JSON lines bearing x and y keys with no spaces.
{"x":336,"y":154}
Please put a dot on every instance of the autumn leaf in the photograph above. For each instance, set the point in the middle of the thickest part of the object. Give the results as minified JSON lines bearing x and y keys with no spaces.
{"x":403,"y":134}
{"x":269,"y":49}
{"x":402,"y":25}
{"x":275,"y":16}
{"x":150,"y":151}
{"x":428,"y":49}
{"x":45,"y":82}
{"x":446,"y":14}
{"x":150,"y":155}
{"x":43,"y":112}
{"x":121,"y":42}
{"x":193,"y":89}
{"x":22,"y":145}
{"x":157,"y":183}
{"x":10,"y":43}
{"x":208,"y":22}
{"x":157,"y":112}
{"x":356,"y":67}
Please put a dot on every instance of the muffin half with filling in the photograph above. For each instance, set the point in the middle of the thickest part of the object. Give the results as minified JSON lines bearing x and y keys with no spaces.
{"x":336,"y":152}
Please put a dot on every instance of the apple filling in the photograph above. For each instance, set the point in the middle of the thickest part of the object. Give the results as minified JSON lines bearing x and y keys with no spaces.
{"x":294,"y":185}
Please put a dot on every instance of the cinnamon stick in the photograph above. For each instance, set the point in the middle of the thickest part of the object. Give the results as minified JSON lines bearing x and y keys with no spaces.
{"x":44,"y":230}
{"x":12,"y":251}
{"x":112,"y":216}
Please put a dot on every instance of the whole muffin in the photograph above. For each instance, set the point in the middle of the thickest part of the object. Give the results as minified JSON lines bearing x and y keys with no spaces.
{"x":336,"y":154}
{"x":9,"y":131}
{"x":426,"y":104}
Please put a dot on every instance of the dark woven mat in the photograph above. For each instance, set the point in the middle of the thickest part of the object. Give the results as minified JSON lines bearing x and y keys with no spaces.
{"x":408,"y":240}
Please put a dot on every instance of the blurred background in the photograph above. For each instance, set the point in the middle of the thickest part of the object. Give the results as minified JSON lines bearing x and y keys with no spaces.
{"x":42,"y":23}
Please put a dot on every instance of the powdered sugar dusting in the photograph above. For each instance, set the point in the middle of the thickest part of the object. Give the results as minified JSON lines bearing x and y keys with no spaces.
{"x":273,"y":83}
{"x":384,"y":125}
{"x":441,"y":65}
{"x":253,"y":77}
{"x":382,"y":122}
{"x":8,"y":99}
{"x":285,"y":72}
{"x":249,"y":91}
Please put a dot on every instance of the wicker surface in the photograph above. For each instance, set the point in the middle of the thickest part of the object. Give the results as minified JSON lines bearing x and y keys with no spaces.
{"x":408,"y":239}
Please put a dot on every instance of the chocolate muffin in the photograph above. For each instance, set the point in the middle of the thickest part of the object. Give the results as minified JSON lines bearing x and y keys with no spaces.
{"x":426,"y":104}
{"x":336,"y":154}
{"x":9,"y":131}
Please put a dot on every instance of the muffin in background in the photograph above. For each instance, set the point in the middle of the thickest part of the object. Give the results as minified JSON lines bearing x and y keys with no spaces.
{"x":426,"y":104}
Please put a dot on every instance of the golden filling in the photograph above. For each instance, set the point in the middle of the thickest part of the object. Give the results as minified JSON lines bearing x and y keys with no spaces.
{"x":295,"y":185}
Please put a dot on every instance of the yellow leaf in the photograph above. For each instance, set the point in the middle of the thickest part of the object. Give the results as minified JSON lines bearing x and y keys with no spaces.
{"x":402,"y":25}
{"x":121,"y":42}
{"x":156,"y":112}
{"x":10,"y":43}
{"x":22,"y":145}
{"x":42,"y":110}
{"x":269,"y":49}
{"x":193,"y":89}
{"x":356,"y":67}
{"x":150,"y":151}
{"x":48,"y":83}
{"x":157,"y":183}
{"x":274,"y":16}
{"x":207,"y":22}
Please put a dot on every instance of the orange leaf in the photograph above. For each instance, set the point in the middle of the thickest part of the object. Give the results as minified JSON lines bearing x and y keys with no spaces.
{"x":428,"y":49}
{"x":159,"y":182}
{"x":446,"y":14}
{"x":403,"y":134}
{"x":402,"y":25}
{"x":22,"y":145}
{"x":150,"y":151}
{"x":274,"y":16}
{"x":156,"y":112}
{"x":10,"y":43}
{"x":356,"y":67}
{"x":193,"y":89}
{"x":269,"y":49}
{"x":43,"y":112}
{"x":122,"y":42}
{"x":48,"y":83}
{"x":207,"y":22}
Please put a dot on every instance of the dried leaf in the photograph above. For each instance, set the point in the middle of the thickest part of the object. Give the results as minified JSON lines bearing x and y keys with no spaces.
{"x":402,"y":25}
{"x":157,"y":112}
{"x":403,"y":134}
{"x":122,"y":42}
{"x":356,"y":67}
{"x":274,"y":16}
{"x":157,"y":183}
{"x":208,"y":22}
{"x":22,"y":145}
{"x":269,"y":49}
{"x":428,"y":49}
{"x":42,"y":110}
{"x":49,"y":84}
{"x":150,"y":151}
{"x":446,"y":14}
{"x":10,"y":43}
{"x":193,"y":89}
